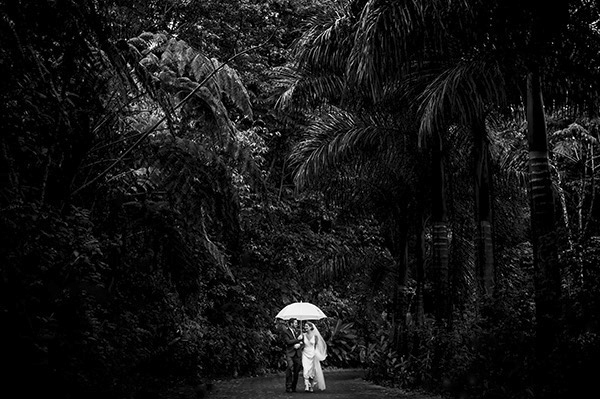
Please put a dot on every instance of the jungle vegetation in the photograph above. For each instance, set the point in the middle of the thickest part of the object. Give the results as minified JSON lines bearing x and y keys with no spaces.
{"x":174,"y":172}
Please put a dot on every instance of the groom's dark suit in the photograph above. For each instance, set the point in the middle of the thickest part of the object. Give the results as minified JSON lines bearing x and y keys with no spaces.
{"x":293,"y":358}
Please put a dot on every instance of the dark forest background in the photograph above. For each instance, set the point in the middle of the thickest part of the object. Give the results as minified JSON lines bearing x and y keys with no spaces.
{"x":174,"y":172}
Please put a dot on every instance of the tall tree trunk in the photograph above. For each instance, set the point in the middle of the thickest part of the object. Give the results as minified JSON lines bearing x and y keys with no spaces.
{"x":544,"y":240}
{"x":420,"y":274}
{"x":483,"y":209}
{"x":440,"y":266}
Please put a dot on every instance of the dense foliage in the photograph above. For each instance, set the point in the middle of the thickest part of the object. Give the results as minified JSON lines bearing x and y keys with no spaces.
{"x":175,"y":172}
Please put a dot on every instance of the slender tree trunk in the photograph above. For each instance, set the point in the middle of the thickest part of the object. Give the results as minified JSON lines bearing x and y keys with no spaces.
{"x":402,"y":298}
{"x":583,"y":233}
{"x":443,"y":307}
{"x":420,"y":274}
{"x":483,"y":210}
{"x":544,"y":240}
{"x":565,"y":213}
{"x":400,"y":244}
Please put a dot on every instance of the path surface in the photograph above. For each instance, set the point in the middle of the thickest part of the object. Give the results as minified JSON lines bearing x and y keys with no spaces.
{"x":341,"y":384}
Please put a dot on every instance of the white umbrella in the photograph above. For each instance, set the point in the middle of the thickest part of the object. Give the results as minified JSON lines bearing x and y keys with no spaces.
{"x":301,"y":311}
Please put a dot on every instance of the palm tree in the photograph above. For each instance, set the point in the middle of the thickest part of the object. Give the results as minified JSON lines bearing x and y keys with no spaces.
{"x":386,"y":26}
{"x":381,"y":177}
{"x":393,"y":39}
{"x":336,"y":57}
{"x":329,"y":57}
{"x":460,"y":94}
{"x":410,"y":44}
{"x":540,"y":45}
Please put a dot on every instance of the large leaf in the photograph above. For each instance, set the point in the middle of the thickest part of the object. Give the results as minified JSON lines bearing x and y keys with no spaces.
{"x":180,"y":67}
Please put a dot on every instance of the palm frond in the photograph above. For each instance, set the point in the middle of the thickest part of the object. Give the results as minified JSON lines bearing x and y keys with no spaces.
{"x":510,"y":154}
{"x":334,"y":138}
{"x":462,"y":93}
{"x":327,"y":39}
{"x":300,"y":88}
{"x":394,"y":35}
{"x":341,"y":260}
{"x":385,"y":28}
{"x":218,"y":255}
{"x":316,"y":75}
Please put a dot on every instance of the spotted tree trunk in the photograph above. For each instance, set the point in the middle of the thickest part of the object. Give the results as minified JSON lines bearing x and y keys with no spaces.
{"x":543,"y":235}
{"x":483,"y":210}
{"x":440,"y":264}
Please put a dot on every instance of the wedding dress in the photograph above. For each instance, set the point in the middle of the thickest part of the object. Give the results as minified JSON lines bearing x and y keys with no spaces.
{"x":314,"y":352}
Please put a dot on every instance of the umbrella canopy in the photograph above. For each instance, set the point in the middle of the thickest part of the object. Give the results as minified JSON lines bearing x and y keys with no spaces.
{"x":301,"y":311}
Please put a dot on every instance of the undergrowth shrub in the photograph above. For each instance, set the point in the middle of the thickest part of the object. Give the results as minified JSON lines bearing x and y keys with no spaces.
{"x":497,"y":359}
{"x":489,"y":354}
{"x":231,"y":350}
{"x":381,"y":360}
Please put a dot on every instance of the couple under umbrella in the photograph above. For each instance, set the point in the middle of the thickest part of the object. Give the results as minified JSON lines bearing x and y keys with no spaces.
{"x":306,"y":349}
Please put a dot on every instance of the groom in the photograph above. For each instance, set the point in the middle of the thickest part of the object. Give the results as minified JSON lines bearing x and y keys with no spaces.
{"x":293,"y":354}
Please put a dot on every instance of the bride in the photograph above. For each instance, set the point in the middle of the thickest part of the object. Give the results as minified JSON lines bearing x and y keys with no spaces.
{"x":314,"y":352}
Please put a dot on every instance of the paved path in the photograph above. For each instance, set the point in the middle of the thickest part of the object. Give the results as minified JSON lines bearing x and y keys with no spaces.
{"x":341,"y":384}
